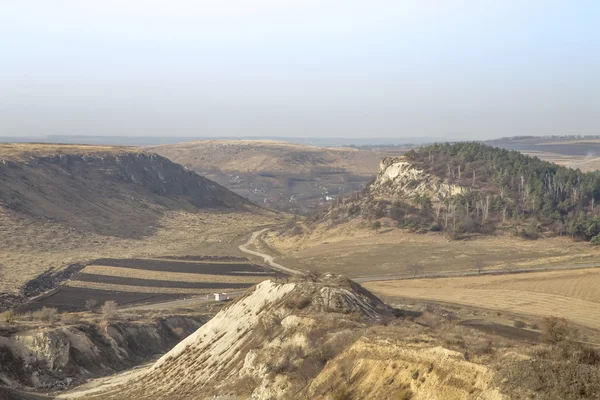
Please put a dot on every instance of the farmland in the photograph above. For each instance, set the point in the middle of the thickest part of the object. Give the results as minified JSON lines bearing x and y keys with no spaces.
{"x":568,"y":294}
{"x":355,"y":250}
{"x":136,"y":280}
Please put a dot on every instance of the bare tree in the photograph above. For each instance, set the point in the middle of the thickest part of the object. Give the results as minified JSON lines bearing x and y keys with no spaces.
{"x":479,"y":265}
{"x":438,"y":210}
{"x":510,"y":267}
{"x":415,"y":269}
{"x":91,"y":304}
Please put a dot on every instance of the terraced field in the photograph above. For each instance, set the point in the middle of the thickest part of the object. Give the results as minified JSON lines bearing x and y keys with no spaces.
{"x":571,"y":294}
{"x":129,"y":281}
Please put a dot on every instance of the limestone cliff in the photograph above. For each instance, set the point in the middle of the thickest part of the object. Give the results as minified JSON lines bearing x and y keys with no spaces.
{"x":399,"y":178}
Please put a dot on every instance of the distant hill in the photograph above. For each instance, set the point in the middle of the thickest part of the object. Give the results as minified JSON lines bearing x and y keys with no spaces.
{"x":581,"y":152}
{"x":466,"y":188}
{"x":279,"y":174}
{"x":101,"y":189}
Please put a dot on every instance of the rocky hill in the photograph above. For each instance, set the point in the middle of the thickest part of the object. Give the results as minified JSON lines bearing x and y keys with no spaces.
{"x":307,"y":339}
{"x":325,"y":337}
{"x":279,"y":174}
{"x":468,"y":188}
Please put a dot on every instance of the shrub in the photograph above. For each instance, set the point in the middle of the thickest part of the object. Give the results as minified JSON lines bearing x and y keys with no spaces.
{"x":298,"y":302}
{"x":557,"y":330}
{"x":529,"y":234}
{"x":595,"y":240}
{"x":46,"y":314}
{"x":109,"y":309}
{"x":376,"y":226}
{"x":436,"y":227}
{"x":91,"y":305}
{"x":8,"y":316}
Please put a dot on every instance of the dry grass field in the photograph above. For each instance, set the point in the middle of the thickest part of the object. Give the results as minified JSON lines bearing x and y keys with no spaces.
{"x":26,"y":151}
{"x":267,"y":155}
{"x":355,"y":250}
{"x":62,"y":205}
{"x":572,"y":295}
{"x":31,"y":247}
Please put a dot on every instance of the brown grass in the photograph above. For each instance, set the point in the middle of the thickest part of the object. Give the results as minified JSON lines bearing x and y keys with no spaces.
{"x":353,"y":249}
{"x":30,"y":247}
{"x":567,"y":294}
{"x":266,"y":155}
{"x":24,"y":151}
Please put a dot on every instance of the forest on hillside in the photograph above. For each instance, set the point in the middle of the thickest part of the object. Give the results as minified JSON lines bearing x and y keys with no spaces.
{"x":504,"y":189}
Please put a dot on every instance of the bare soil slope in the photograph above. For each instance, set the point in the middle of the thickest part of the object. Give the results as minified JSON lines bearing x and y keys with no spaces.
{"x":303,"y":340}
{"x":327,"y":338}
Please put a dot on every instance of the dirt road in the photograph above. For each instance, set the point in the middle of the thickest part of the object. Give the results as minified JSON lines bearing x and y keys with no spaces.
{"x":267,"y":258}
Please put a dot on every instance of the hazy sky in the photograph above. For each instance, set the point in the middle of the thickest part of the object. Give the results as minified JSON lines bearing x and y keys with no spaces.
{"x":340,"y":68}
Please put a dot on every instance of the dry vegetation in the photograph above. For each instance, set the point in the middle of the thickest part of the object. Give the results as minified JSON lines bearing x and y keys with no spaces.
{"x":267,"y":156}
{"x":281,"y":175}
{"x":30,"y":247}
{"x":28,"y":151}
{"x":572,"y":295}
{"x":354,"y":249}
{"x":320,"y":339}
{"x":62,"y":205}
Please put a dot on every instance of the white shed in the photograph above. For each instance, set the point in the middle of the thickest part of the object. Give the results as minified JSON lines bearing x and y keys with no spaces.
{"x":221,"y":296}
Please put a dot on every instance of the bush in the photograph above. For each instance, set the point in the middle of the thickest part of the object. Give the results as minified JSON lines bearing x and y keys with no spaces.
{"x":595,"y":240}
{"x":298,"y":302}
{"x":7,"y":316}
{"x":557,"y":330}
{"x":46,"y":314}
{"x":376,"y":226}
{"x":109,"y":309}
{"x":91,"y":305}
{"x":529,"y":234}
{"x":436,"y":228}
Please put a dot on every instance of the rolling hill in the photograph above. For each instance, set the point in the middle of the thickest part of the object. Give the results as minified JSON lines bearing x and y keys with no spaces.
{"x":65,"y":205}
{"x":279,"y":174}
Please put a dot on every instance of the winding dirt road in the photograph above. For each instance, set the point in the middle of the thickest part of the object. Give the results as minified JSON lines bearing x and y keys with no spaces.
{"x":267,"y":258}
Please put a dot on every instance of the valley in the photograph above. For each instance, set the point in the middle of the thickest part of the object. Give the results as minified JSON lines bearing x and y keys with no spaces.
{"x":281,"y":175}
{"x":63,"y":207}
{"x":81,"y":288}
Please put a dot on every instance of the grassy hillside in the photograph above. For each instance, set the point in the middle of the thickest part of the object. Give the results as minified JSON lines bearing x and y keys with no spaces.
{"x":115,"y":192}
{"x":67,"y":205}
{"x":279,"y":174}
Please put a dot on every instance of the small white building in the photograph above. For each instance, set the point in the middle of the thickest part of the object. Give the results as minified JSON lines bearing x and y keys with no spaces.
{"x":221,"y":297}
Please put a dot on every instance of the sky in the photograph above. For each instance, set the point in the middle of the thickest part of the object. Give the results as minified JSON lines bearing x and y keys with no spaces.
{"x":454,"y":69}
